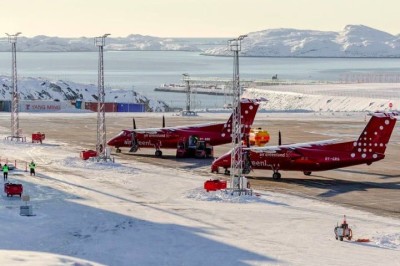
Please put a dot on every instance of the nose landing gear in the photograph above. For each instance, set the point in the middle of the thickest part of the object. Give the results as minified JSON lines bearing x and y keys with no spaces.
{"x":276,"y":175}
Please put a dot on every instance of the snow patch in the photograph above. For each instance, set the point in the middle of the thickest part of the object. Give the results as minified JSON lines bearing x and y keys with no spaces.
{"x":390,"y":241}
{"x":92,"y":164}
{"x":225,"y":196}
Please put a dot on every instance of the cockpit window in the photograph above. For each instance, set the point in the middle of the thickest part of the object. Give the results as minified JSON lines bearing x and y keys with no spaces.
{"x":122,"y":133}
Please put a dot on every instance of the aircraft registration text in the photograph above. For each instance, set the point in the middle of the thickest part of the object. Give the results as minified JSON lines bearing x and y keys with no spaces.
{"x":332,"y":159}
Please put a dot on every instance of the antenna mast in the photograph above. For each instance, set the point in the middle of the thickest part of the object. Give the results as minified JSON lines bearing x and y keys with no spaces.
{"x":101,"y":118}
{"x":15,"y":130}
{"x":237,"y":135}
{"x":186,"y":79}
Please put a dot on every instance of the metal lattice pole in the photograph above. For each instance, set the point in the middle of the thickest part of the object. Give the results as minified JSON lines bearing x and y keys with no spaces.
{"x":101,"y":117}
{"x":15,"y":131}
{"x":237,"y":150}
{"x":186,"y":78}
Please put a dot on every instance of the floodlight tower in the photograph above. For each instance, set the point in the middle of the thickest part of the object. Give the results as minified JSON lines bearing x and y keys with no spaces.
{"x":237,"y":151}
{"x":101,"y":118}
{"x":186,"y":79}
{"x":15,"y":131}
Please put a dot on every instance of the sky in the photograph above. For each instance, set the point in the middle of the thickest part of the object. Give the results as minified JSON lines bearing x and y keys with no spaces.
{"x":191,"y":18}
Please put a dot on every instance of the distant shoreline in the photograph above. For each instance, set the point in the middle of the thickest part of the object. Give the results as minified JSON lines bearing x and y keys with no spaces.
{"x":317,"y":57}
{"x":203,"y":54}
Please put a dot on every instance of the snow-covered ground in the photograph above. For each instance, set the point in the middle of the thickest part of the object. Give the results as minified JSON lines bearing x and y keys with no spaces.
{"x":131,"y":213}
{"x":354,"y":97}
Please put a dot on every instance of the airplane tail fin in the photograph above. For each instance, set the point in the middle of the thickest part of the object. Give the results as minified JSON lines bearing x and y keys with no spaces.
{"x":375,"y":137}
{"x":248,"y":110}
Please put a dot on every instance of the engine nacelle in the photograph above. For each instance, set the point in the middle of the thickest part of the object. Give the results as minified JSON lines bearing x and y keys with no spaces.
{"x":258,"y":137}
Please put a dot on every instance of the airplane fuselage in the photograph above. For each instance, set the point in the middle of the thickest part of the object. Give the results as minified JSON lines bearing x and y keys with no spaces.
{"x":320,"y":155}
{"x":168,"y":138}
{"x":305,"y":160}
{"x":309,"y":160}
{"x":186,"y":137}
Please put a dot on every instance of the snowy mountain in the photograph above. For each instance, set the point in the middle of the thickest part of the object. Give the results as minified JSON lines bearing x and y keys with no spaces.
{"x":42,"y":89}
{"x":43,"y":43}
{"x":353,"y":41}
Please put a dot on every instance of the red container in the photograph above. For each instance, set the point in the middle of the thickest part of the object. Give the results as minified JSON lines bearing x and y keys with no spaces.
{"x":38,"y":137}
{"x":108,"y":107}
{"x":13,"y":189}
{"x":213,"y":185}
{"x":88,"y":154}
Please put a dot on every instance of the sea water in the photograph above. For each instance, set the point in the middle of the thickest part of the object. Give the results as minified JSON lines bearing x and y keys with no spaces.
{"x":143,"y":71}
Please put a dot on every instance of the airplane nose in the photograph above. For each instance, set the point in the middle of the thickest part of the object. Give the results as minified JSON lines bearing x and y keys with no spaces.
{"x":111,"y":142}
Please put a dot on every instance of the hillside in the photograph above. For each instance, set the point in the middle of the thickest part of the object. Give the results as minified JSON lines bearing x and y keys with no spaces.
{"x":352,"y":41}
{"x":42,"y":89}
{"x":133,"y":42}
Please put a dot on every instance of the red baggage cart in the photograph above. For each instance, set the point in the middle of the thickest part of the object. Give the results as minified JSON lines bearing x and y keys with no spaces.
{"x":13,"y":189}
{"x":87,"y":154}
{"x":213,"y":185}
{"x":38,"y":137}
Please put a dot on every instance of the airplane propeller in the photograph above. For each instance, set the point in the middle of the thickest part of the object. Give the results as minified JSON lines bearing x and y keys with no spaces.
{"x":134,"y":146}
{"x":279,"y":139}
{"x":248,"y":162}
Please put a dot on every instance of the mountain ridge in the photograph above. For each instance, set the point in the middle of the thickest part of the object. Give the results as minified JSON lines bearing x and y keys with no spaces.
{"x":352,"y":41}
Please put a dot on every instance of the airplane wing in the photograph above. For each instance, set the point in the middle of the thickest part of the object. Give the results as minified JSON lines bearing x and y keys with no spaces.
{"x":273,"y":149}
{"x":190,"y":127}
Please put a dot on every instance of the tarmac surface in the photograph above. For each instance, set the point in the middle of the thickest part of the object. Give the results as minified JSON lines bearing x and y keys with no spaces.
{"x":374,"y":188}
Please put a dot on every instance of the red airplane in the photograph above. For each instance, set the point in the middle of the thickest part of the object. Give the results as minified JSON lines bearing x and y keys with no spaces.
{"x":185,"y":138}
{"x":320,"y":155}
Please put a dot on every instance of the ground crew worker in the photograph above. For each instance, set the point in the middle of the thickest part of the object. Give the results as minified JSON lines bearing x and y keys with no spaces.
{"x":5,"y":172}
{"x":32,"y":167}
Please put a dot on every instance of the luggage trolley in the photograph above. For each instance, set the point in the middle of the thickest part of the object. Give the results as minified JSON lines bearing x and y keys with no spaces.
{"x":38,"y":137}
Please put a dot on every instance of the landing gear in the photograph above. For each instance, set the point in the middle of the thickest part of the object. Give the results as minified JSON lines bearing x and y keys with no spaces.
{"x":227,"y":172}
{"x":158,"y":152}
{"x":276,"y":175}
{"x":118,"y":150}
{"x":307,"y":172}
{"x":216,"y":170}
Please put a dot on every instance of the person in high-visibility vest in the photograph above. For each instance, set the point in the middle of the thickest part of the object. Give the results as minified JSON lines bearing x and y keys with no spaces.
{"x":5,"y":172}
{"x":32,"y":167}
